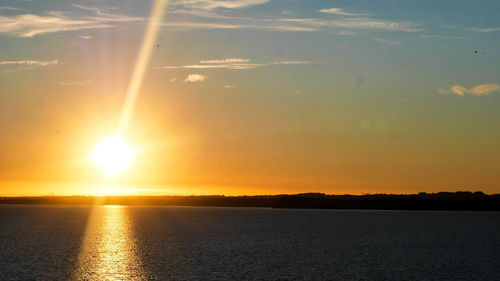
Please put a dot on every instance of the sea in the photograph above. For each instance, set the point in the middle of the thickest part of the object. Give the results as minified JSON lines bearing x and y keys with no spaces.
{"x":41,"y":242}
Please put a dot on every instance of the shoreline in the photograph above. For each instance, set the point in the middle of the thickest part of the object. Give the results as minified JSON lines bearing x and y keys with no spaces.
{"x":442,"y":201}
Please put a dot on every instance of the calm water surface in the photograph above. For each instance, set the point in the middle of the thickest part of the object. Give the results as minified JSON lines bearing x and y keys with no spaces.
{"x":182,"y":243}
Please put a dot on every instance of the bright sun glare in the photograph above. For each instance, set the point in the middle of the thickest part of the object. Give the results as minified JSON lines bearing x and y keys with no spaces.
{"x":113,"y":155}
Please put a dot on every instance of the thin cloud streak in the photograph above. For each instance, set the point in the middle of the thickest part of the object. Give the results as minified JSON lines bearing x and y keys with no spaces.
{"x":185,"y":26}
{"x":356,"y":24}
{"x":9,"y":9}
{"x":268,"y":26}
{"x":345,"y":22}
{"x":305,"y":25}
{"x":232,"y":63}
{"x":426,"y":36}
{"x":338,"y":12}
{"x":345,"y":26}
{"x":29,"y":62}
{"x":228,"y":60}
{"x":29,"y":25}
{"x":211,"y":4}
{"x":105,"y":16}
{"x":485,"y":30}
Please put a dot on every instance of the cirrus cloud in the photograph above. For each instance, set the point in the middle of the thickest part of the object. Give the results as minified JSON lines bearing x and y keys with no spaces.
{"x":485,"y":29}
{"x":232,"y":63}
{"x":26,"y":64}
{"x":212,"y":4}
{"x":330,"y":20}
{"x":338,"y":12}
{"x":29,"y":62}
{"x":29,"y":25}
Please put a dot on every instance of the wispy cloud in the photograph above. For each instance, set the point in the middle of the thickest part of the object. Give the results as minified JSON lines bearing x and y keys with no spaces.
{"x":73,"y":83}
{"x":29,"y":62}
{"x":218,"y":21}
{"x":181,"y":26}
{"x":347,"y":24}
{"x":228,"y":60}
{"x":9,"y":9}
{"x":479,"y":90}
{"x":356,"y":24}
{"x":282,"y":28}
{"x":485,"y":30}
{"x":214,"y":4}
{"x":103,"y":15}
{"x":338,"y":12}
{"x":7,"y":66}
{"x":434,"y":36}
{"x":232,"y":63}
{"x":29,"y":25}
{"x":228,"y":86}
{"x":191,"y":78}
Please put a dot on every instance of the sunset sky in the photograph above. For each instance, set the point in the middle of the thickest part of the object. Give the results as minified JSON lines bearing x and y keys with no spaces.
{"x":253,"y":96}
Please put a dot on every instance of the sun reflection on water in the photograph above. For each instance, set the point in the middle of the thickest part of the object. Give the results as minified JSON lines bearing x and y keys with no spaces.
{"x":109,"y":250}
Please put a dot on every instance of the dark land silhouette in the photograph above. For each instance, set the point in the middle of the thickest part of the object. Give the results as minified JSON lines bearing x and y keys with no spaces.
{"x":460,"y":201}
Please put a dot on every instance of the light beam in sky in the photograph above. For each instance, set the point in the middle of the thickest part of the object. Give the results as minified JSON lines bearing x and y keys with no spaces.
{"x":148,"y":43}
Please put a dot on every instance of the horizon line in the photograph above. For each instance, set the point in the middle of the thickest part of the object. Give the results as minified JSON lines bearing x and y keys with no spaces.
{"x":245,"y":195}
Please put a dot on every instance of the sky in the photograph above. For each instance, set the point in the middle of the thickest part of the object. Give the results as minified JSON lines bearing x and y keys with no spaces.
{"x":252,"y":96}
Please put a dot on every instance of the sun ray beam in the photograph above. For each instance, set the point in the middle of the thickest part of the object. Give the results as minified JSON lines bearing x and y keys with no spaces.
{"x":143,"y":58}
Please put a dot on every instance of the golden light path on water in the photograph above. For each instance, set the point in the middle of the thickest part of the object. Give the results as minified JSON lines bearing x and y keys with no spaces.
{"x":109,"y":249}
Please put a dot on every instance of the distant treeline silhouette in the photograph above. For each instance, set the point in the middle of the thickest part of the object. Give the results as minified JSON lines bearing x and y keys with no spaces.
{"x":461,"y":200}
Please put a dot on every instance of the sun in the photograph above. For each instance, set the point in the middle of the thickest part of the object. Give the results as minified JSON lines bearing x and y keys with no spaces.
{"x":113,"y":155}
